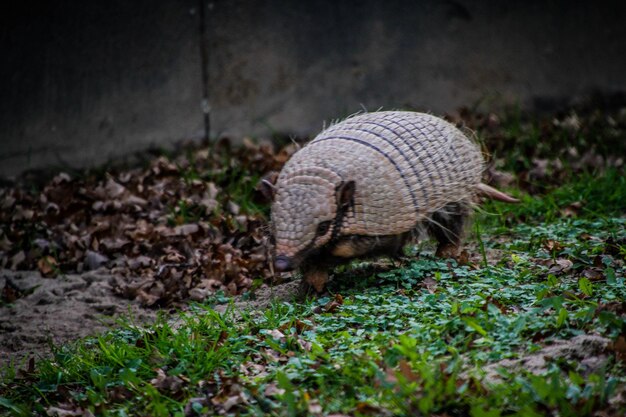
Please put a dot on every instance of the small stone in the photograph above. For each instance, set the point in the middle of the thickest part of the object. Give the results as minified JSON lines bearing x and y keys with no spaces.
{"x":94,"y":260}
{"x":186,"y":229}
{"x":232,"y":208}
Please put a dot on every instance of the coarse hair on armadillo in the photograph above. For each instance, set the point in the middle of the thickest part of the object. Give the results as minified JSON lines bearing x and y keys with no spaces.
{"x":405,"y":167}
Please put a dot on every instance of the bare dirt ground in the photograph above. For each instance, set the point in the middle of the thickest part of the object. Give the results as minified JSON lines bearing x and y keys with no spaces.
{"x":59,"y":310}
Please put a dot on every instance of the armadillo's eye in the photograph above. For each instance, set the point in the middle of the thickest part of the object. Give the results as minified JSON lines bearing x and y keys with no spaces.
{"x":323,"y":227}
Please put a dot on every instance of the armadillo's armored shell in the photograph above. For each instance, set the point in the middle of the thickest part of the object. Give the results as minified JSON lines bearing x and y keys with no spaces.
{"x":405,"y":165}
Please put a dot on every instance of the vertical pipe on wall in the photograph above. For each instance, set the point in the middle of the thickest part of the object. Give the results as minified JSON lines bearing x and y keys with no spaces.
{"x":204,"y":7}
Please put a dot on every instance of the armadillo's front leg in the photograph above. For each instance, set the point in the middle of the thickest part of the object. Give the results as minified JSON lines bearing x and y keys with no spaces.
{"x":316,"y":279}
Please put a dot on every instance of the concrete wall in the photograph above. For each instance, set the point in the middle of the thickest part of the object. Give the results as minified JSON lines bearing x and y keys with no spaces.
{"x":85,"y":81}
{"x":88,"y":81}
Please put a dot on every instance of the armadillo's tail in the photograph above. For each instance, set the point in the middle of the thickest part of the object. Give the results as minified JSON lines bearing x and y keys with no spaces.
{"x":487,"y":191}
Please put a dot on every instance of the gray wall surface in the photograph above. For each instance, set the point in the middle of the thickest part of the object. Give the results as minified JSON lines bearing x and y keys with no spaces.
{"x":85,"y":82}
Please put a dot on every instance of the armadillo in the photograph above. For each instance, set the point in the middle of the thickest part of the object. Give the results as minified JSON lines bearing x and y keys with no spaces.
{"x":364,"y":185}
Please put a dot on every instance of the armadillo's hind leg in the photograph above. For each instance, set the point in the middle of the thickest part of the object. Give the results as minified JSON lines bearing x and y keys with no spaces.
{"x":446,"y":225}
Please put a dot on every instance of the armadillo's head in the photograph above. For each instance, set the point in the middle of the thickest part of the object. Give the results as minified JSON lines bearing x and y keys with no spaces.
{"x":306,"y":216}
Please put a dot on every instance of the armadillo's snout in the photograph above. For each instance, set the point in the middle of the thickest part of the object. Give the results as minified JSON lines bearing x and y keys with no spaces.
{"x":283,"y":263}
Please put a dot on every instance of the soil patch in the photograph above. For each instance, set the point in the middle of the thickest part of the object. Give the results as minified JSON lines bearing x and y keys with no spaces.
{"x":590,"y":351}
{"x":59,"y":310}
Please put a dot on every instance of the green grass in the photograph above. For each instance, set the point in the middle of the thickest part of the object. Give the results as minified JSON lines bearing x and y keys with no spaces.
{"x":394,"y":346}
{"x":588,"y":195}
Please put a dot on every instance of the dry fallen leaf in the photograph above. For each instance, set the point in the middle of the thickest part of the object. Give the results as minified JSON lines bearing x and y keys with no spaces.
{"x":593,"y":274}
{"x":619,"y":347}
{"x":68,"y":410}
{"x":552,"y":246}
{"x":304,"y":345}
{"x":48,"y":266}
{"x":277,"y":335}
{"x":333,"y":304}
{"x":407,"y":372}
{"x":170,"y":385}
{"x":430,"y":284}
{"x":10,"y":292}
{"x":147,"y":222}
{"x":572,"y":210}
{"x":561,"y":265}
{"x":272,"y":390}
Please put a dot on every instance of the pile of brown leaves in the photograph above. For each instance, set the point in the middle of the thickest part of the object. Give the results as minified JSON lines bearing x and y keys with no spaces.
{"x":168,"y":232}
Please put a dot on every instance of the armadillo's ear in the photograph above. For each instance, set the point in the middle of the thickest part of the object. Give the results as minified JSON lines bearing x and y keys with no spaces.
{"x":345,"y":194}
{"x":267,"y":185}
